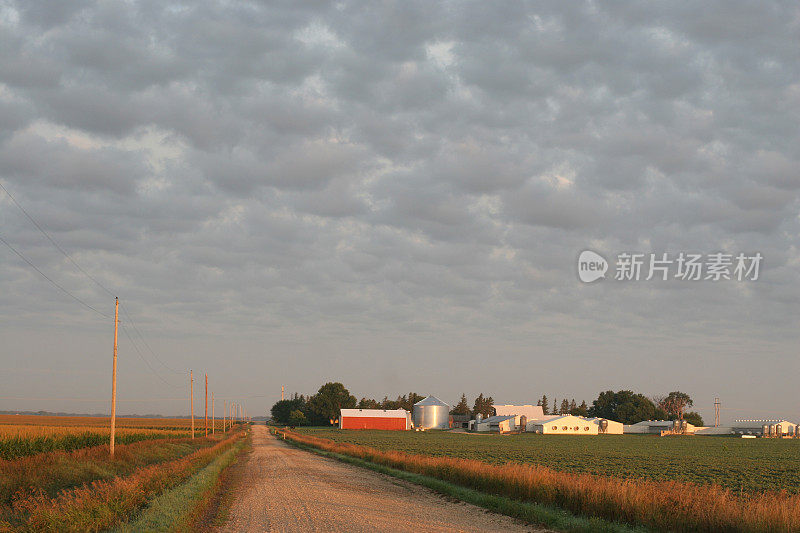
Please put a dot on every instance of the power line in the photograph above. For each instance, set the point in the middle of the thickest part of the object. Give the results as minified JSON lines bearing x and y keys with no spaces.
{"x":141,"y":356}
{"x":84,"y":272}
{"x":139,"y":333}
{"x":45,"y":276}
{"x":60,"y":249}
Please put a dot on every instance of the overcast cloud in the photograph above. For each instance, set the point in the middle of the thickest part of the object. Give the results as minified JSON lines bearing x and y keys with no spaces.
{"x":395,"y":196}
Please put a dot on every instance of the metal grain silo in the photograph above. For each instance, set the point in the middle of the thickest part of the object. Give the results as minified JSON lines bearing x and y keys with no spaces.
{"x":431,"y":413}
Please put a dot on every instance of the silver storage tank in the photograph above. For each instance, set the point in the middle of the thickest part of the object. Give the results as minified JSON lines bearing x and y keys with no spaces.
{"x":431,"y":413}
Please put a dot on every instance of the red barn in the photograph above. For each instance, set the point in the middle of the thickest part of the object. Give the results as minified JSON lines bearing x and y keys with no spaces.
{"x":397,"y":419}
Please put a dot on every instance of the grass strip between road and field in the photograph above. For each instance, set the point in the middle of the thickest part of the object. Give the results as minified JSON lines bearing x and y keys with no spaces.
{"x":104,"y":504}
{"x":177,"y":508}
{"x":531,"y":513}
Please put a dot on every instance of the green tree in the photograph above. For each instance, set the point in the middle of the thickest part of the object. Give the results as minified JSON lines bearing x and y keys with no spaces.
{"x":297,"y":418}
{"x":623,"y":406}
{"x":483,"y":405}
{"x":581,"y":410}
{"x":545,"y":407}
{"x":327,"y":403}
{"x":564,"y":407}
{"x":368,"y":403}
{"x":282,"y":410}
{"x":462,"y":408}
{"x":675,"y":404}
{"x":693,"y":418}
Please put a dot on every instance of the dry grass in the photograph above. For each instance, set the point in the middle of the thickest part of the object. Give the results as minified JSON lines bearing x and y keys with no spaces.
{"x":668,"y":506}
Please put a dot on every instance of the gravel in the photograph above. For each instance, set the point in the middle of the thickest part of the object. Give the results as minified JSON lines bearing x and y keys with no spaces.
{"x":286,"y":489}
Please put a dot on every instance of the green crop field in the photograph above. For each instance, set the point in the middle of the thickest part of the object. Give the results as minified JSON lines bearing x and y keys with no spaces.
{"x":747,"y":465}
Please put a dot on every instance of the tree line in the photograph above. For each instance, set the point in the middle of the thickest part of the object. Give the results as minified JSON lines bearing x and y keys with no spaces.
{"x":623,"y":406}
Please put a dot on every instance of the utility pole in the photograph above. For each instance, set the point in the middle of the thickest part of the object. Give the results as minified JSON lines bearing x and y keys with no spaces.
{"x":213,"y":418}
{"x":114,"y":381}
{"x":206,"y":416}
{"x":716,"y":412}
{"x":281,"y":392}
{"x":224,"y":416}
{"x":191,"y":398}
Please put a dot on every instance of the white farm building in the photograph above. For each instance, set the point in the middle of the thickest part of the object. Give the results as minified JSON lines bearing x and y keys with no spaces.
{"x":574,"y":425}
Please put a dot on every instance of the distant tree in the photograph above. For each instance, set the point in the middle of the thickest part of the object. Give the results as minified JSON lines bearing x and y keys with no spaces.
{"x":368,"y":403}
{"x":462,"y":408}
{"x":386,"y":403}
{"x":543,"y":403}
{"x":484,"y":406}
{"x":327,"y":403}
{"x":555,"y":406}
{"x":675,"y":403}
{"x":693,"y":418}
{"x":297,"y":418}
{"x":413,"y":398}
{"x":572,"y":405}
{"x":282,"y":410}
{"x":564,"y":407}
{"x":623,"y":406}
{"x":581,"y":410}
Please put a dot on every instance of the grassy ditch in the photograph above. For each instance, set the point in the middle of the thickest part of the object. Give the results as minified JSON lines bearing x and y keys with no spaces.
{"x":665,"y":506}
{"x":179,"y":509}
{"x":104,"y":503}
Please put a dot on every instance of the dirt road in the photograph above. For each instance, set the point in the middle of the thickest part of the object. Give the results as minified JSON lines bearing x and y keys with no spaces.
{"x":286,"y":489}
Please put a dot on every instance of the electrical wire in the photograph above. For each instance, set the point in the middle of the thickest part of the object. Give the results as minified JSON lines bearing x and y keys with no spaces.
{"x":141,"y":356}
{"x":136,"y":330}
{"x":90,"y":277}
{"x":54,"y":243}
{"x":48,"y":278}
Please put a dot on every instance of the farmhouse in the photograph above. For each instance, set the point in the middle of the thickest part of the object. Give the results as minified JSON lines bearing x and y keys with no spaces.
{"x":397,"y":419}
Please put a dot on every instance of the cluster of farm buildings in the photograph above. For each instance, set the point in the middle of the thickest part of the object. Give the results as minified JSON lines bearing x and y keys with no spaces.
{"x":432,"y":413}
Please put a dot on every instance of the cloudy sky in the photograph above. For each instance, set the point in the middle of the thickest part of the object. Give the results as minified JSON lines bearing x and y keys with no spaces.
{"x":394,"y":195}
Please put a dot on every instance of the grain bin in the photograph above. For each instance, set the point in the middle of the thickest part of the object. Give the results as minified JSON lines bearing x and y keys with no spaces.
{"x":431,"y":413}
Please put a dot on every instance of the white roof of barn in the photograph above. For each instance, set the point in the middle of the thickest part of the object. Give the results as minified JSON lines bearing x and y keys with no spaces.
{"x":531,"y":412}
{"x":758,"y":423}
{"x":376,"y":413}
{"x":596,"y":419}
{"x":553,"y":418}
{"x":496,"y":419}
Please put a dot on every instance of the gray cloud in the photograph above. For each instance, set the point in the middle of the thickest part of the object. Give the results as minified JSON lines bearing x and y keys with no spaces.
{"x":347,"y":186}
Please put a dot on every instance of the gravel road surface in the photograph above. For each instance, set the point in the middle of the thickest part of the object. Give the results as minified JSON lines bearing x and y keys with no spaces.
{"x":286,"y":489}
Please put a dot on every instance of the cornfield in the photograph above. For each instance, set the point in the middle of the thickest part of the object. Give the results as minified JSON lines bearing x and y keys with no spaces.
{"x":104,"y":421}
{"x":22,"y":440}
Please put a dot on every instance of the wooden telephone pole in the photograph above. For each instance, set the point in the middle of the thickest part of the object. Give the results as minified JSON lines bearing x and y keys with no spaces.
{"x":213,"y":419}
{"x":206,"y":419}
{"x":191,"y":398}
{"x":114,"y":380}
{"x":224,"y":416}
